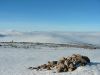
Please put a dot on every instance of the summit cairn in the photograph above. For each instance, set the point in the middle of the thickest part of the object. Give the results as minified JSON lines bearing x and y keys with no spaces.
{"x":65,"y":64}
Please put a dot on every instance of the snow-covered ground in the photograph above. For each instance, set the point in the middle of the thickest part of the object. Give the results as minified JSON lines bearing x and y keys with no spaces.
{"x":15,"y":61}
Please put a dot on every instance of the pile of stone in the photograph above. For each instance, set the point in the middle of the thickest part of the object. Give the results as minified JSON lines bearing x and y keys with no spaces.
{"x":65,"y":64}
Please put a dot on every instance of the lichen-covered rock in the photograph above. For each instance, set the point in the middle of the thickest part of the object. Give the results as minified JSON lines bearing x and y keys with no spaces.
{"x":61,"y":67}
{"x":65,"y":64}
{"x":52,"y":63}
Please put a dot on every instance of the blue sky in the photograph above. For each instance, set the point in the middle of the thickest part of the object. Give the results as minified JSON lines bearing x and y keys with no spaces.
{"x":50,"y":15}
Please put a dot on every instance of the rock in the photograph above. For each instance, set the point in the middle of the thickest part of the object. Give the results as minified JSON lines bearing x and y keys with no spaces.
{"x":86,"y":58}
{"x":65,"y":64}
{"x":30,"y":68}
{"x":39,"y":67}
{"x":66,"y":69}
{"x":61,"y":67}
{"x":44,"y":66}
{"x":52,"y":63}
{"x":71,"y":67}
{"x":48,"y":68}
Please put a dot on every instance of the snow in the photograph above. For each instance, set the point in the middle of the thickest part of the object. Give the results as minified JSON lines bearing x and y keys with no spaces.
{"x":15,"y":61}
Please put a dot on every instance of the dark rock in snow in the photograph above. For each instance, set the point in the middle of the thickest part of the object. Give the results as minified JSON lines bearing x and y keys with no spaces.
{"x":65,"y":64}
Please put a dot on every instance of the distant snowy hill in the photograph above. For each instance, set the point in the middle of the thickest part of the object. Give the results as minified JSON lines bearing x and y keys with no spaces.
{"x":52,"y":37}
